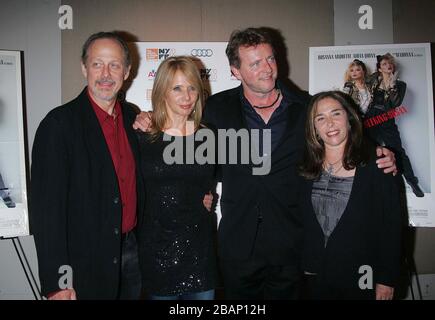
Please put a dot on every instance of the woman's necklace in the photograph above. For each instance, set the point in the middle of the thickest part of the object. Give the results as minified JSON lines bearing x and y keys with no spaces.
{"x":330,"y":167}
{"x":330,"y":170}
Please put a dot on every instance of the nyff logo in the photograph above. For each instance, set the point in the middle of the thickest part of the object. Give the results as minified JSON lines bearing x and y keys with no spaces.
{"x":157,"y":54}
{"x":208,"y":74}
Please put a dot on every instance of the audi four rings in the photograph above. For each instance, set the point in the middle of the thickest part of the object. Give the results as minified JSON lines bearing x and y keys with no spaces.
{"x":201,"y":52}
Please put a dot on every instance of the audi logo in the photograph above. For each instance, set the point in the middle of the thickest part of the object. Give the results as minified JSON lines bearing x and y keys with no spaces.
{"x":201,"y":52}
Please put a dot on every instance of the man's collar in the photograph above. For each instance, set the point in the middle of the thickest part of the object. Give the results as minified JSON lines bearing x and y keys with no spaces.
{"x":286,"y":95}
{"x":102,"y":115}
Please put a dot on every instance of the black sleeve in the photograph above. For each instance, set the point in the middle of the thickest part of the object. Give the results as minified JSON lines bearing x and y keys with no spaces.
{"x":389,"y":228}
{"x":208,"y":117}
{"x":397,"y":94}
{"x":209,"y":120}
{"x":48,"y":202}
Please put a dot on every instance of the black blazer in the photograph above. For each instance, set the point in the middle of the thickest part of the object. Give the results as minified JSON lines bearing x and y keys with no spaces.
{"x":368,"y":233}
{"x":75,"y":206}
{"x":250,"y":200}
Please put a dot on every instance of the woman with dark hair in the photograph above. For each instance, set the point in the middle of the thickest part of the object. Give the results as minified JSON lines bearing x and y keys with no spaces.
{"x":351,"y":247}
{"x":355,"y":84}
{"x":388,"y":93}
{"x":176,"y":238}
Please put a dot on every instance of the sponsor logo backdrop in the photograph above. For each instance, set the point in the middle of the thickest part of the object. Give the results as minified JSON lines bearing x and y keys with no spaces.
{"x":212,"y":64}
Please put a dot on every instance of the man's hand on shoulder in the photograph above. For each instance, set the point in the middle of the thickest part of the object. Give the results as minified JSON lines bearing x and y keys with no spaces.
{"x":143,"y":121}
{"x":386,"y":161}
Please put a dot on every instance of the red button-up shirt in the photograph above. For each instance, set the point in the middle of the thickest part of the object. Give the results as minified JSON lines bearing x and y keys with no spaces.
{"x":123,"y":160}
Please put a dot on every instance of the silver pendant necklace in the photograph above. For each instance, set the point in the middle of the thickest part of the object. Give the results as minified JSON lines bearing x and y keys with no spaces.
{"x":330,"y":170}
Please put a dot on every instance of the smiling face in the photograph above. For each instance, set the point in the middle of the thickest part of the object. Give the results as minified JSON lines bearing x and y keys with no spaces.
{"x":105,"y":70}
{"x":331,"y":123}
{"x":181,"y":97}
{"x":258,"y":69}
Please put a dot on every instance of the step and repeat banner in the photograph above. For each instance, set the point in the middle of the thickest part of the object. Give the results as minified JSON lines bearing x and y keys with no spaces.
{"x":211,"y":60}
{"x":414,"y":118}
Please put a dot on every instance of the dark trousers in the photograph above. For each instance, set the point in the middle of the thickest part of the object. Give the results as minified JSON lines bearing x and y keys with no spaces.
{"x":256,"y":280}
{"x":387,"y":133}
{"x":314,"y":288}
{"x":130,"y":284}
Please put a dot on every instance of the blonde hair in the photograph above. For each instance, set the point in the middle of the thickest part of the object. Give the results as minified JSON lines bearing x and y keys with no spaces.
{"x":355,"y":63}
{"x":164,"y":77}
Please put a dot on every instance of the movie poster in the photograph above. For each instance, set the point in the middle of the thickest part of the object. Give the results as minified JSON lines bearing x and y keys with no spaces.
{"x":414,"y":116}
{"x":13,"y":192}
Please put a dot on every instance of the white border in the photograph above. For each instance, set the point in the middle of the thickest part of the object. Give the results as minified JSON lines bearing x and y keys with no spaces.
{"x":14,"y":221}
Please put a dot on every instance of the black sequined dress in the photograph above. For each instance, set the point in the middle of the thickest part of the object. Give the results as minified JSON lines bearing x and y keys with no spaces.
{"x":177,"y":235}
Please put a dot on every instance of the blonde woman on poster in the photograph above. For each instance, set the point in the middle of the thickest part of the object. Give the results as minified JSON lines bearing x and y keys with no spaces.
{"x":356,"y":84}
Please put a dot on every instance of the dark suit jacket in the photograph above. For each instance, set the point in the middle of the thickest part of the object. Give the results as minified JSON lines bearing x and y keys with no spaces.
{"x":75,"y":207}
{"x":248,"y":200}
{"x":368,"y":233}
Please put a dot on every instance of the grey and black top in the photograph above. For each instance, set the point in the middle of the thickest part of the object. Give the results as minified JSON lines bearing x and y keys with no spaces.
{"x":329,"y":197}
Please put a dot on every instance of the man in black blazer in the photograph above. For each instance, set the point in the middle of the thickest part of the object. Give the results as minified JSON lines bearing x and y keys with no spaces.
{"x":260,"y":231}
{"x":85,"y":187}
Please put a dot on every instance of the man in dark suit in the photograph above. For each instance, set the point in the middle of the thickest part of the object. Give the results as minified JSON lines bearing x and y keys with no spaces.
{"x":85,"y":194}
{"x":260,"y":231}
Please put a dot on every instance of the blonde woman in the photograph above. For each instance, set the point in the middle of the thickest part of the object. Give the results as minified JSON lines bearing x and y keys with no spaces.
{"x":176,"y":246}
{"x":356,"y":86}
